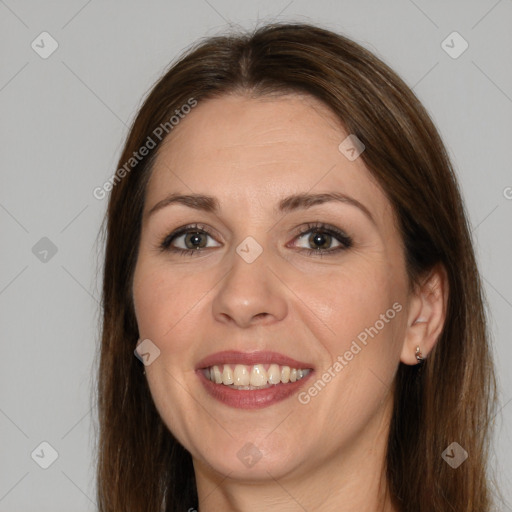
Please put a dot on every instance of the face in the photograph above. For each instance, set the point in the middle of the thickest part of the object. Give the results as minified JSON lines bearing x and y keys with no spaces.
{"x":263,"y":284}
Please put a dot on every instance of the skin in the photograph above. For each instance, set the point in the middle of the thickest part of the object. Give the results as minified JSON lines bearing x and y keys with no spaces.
{"x":328,"y":454}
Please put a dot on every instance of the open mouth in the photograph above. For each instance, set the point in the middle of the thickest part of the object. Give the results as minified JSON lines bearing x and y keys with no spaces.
{"x":256,"y":376}
{"x":250,"y":380}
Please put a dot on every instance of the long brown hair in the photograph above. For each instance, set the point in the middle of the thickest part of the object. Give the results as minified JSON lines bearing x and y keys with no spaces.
{"x":140,"y":465}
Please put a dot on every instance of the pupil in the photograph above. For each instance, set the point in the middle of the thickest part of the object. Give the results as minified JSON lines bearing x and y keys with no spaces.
{"x":195,"y":238}
{"x":319,"y":239}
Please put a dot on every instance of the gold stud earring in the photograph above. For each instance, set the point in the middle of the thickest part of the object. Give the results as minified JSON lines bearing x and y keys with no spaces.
{"x":419,"y":356}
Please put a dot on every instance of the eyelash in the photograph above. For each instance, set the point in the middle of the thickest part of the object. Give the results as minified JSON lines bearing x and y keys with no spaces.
{"x":345,"y":241}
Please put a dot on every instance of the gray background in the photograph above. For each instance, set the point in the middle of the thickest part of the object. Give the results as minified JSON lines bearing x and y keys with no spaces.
{"x":64,"y":119}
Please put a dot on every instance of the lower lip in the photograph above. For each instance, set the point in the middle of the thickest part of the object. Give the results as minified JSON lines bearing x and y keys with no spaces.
{"x":251,"y":398}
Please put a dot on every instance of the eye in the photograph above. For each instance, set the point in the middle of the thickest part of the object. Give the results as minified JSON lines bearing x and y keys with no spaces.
{"x":321,"y":237}
{"x":189,"y":239}
{"x":193,"y":239}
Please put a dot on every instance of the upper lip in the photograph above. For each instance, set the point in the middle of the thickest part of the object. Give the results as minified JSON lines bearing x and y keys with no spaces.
{"x":250,"y":358}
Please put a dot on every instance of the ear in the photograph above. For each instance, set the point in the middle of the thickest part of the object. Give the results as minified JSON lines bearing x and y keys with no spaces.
{"x":427,"y":313}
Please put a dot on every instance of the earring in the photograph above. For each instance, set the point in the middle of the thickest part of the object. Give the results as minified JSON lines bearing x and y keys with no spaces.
{"x":419,"y":356}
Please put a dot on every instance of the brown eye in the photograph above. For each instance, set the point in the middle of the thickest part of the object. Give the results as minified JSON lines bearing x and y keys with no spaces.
{"x":187,"y":239}
{"x":195,"y":240}
{"x":321,"y":239}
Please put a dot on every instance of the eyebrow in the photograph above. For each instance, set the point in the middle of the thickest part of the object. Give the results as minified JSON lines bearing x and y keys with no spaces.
{"x":294,"y":202}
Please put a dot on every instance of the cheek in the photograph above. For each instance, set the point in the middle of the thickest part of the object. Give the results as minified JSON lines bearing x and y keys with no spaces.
{"x":343,"y":303}
{"x":161,"y":299}
{"x":164,"y":311}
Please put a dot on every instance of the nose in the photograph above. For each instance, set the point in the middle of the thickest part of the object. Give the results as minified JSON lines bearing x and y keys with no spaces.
{"x":250,"y":294}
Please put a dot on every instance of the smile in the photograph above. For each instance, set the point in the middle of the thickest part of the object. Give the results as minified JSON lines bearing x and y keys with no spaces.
{"x":257,"y":376}
{"x":252,"y":380}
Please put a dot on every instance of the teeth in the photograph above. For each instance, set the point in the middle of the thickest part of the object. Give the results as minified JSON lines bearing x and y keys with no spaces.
{"x":258,"y":375}
{"x":227,"y":375}
{"x":254,"y":377}
{"x":241,"y":377}
{"x":274,"y":374}
{"x":217,"y":377}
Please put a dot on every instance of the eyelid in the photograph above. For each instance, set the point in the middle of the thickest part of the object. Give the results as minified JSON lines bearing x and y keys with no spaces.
{"x":183,"y":230}
{"x":344,"y":240}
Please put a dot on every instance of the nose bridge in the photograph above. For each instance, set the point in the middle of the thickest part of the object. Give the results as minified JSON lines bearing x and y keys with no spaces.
{"x":250,"y":292}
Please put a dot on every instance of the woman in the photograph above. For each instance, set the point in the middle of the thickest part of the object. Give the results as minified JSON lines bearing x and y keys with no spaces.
{"x":289,"y":258}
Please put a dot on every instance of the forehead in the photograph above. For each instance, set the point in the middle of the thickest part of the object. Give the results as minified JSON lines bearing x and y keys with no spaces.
{"x":257,"y":150}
